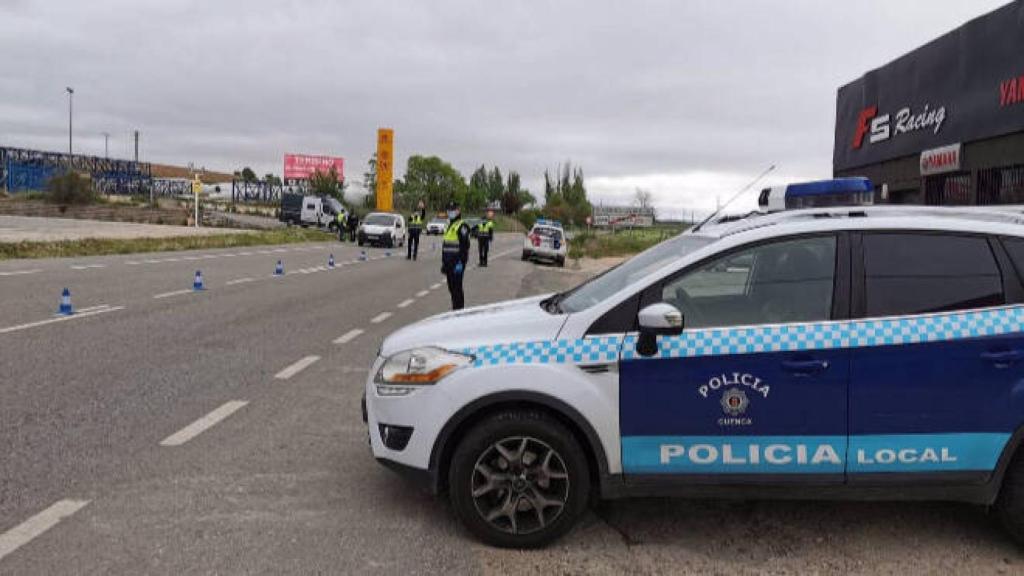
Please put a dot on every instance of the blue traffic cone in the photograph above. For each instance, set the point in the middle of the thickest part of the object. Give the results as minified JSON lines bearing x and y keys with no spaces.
{"x":65,"y":303}
{"x":197,"y":283}
{"x":330,"y":261}
{"x":387,"y":254}
{"x":279,"y":269}
{"x":362,"y":255}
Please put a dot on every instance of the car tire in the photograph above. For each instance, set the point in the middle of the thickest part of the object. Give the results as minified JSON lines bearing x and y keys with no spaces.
{"x":360,"y":241}
{"x":551,"y":467}
{"x":1009,"y":505}
{"x":560,"y":262}
{"x":526,"y":255}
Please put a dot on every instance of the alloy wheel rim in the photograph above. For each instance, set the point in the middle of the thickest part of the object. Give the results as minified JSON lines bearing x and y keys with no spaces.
{"x":520,"y":485}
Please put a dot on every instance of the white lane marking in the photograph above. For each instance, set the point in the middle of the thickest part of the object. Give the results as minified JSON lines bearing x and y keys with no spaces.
{"x":239,"y":281}
{"x":37,"y":525}
{"x":91,"y":308}
{"x":296,"y":368}
{"x":87,"y":266}
{"x":21,"y":272}
{"x":191,"y":258}
{"x":264,"y":252}
{"x":203,"y":424}
{"x":348,"y":336}
{"x":422,"y":293}
{"x":151,"y":261}
{"x":175,"y":293}
{"x":175,"y":259}
{"x":60,"y":319}
{"x":245,"y":253}
{"x":380,"y":317}
{"x":281,"y":250}
{"x":209,"y":256}
{"x":435,"y":286}
{"x":405,"y":303}
{"x":133,"y":263}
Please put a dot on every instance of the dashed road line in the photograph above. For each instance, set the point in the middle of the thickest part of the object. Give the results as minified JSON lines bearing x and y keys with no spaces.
{"x":37,"y":525}
{"x":175,"y":293}
{"x":380,"y":317}
{"x":348,"y":336}
{"x":21,"y":272}
{"x":405,"y":303}
{"x":203,"y":424}
{"x":296,"y":367}
{"x":87,"y":266}
{"x":422,"y":293}
{"x":80,"y":314}
{"x":435,"y":286}
{"x":239,"y":281}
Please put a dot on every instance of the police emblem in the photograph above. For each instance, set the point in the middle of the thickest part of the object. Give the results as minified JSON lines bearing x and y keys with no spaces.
{"x":734,"y":401}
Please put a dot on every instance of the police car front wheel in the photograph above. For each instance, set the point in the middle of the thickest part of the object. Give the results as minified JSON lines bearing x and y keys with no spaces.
{"x":519,"y":479}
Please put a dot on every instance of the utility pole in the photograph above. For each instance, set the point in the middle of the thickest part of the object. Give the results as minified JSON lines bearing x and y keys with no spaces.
{"x":106,"y":144}
{"x":136,"y":146}
{"x":71,"y":97}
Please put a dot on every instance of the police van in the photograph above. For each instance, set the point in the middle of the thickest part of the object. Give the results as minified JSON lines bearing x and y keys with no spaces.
{"x":868,"y":352}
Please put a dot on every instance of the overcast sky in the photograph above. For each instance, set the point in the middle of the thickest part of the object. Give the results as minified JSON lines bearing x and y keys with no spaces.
{"x":689,"y":99}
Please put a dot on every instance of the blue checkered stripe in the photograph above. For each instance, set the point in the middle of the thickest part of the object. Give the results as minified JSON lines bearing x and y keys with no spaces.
{"x":593,"y":350}
{"x":827,"y":335}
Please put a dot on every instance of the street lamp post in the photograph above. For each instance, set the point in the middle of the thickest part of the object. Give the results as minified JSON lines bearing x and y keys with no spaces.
{"x":106,"y":144}
{"x":71,"y":95}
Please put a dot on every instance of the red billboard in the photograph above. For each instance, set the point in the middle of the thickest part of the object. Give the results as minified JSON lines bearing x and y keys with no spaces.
{"x":303,"y":166}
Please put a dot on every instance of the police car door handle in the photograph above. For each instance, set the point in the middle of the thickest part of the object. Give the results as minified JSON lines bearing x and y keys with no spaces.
{"x":805,"y":367}
{"x":1001,"y":358}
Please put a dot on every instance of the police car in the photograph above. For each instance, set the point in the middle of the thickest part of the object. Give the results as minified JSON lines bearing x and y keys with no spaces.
{"x":547,"y":241}
{"x":871,"y":352}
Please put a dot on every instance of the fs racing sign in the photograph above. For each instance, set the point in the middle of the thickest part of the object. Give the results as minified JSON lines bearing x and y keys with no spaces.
{"x":964,"y":86}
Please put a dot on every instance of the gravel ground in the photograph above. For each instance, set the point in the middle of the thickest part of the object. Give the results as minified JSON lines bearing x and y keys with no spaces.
{"x":33,"y":229}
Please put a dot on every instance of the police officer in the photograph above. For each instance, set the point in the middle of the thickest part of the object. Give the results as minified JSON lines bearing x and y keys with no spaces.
{"x":415,"y":227}
{"x":455,"y":255}
{"x":484,"y":236}
{"x":353,"y":224}
{"x":340,"y":222}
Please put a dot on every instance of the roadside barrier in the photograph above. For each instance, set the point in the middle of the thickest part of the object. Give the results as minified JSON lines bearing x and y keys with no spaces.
{"x":197,"y":282}
{"x":279,"y":269}
{"x":65,"y":303}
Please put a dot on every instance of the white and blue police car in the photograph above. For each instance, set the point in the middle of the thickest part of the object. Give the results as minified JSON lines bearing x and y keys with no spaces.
{"x":868,"y":352}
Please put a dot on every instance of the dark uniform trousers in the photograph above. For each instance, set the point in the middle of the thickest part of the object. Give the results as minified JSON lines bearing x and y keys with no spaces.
{"x":413,"y":247}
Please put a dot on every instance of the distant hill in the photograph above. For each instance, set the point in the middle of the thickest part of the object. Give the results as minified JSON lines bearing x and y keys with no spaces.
{"x":207,"y":177}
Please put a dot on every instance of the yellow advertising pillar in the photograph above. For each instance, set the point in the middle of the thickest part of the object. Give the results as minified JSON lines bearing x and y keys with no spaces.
{"x":385,"y":167}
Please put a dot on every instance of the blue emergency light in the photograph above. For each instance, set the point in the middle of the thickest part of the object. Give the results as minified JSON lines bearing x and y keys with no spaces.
{"x":854,"y":191}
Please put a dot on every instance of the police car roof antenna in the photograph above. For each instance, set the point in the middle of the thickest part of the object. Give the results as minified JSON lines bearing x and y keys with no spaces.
{"x":766,"y":172}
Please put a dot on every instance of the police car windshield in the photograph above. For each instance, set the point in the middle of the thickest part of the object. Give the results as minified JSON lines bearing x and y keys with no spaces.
{"x":380,"y":220}
{"x":598,"y":289}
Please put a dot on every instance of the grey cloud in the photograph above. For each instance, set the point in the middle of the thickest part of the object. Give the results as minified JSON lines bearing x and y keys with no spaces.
{"x":627,"y":90}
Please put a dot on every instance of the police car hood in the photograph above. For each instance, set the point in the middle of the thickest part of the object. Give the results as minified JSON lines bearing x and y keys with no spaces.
{"x":512,"y":321}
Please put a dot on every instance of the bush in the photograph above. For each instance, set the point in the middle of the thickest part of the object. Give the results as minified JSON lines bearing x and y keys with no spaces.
{"x":70,"y":188}
{"x":528,"y":217}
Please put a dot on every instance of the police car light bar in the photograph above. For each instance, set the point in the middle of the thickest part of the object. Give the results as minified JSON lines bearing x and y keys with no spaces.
{"x":855,"y":191}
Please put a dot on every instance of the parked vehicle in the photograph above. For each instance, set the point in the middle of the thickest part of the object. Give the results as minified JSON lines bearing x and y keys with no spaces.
{"x":437,"y":226}
{"x":546,"y":241}
{"x":310,"y":210}
{"x":382,"y":229}
{"x":840,"y":352}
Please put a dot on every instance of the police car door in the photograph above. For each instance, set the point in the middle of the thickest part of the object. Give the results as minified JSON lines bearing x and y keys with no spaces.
{"x":937,"y":358}
{"x":755,"y":387}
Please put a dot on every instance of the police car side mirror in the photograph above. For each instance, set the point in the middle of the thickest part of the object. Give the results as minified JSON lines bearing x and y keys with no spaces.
{"x":658,"y":319}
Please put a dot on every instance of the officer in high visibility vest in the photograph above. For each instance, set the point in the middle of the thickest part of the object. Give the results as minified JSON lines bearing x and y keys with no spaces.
{"x":340,"y":220}
{"x":455,"y":255}
{"x":484,"y":236}
{"x":415,"y":227}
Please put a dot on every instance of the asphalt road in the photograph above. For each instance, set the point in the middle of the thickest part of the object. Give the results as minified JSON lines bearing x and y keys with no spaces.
{"x":164,"y":431}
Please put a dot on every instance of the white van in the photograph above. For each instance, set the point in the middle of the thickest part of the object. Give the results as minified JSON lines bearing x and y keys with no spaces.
{"x":383,"y":229}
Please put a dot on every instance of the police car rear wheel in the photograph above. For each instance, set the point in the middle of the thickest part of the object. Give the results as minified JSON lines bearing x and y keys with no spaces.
{"x":1010,"y":503}
{"x":519,"y":480}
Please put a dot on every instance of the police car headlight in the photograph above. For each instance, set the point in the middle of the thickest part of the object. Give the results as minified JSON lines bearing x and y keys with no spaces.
{"x":420,"y":366}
